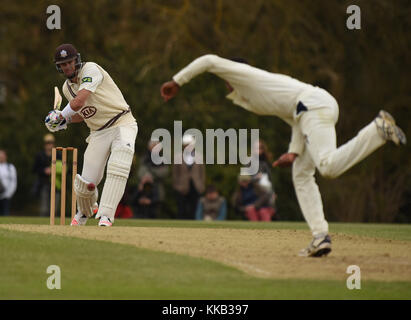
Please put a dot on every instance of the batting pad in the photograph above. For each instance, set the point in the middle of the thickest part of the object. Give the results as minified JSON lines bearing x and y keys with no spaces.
{"x":118,"y":169}
{"x":87,"y":194}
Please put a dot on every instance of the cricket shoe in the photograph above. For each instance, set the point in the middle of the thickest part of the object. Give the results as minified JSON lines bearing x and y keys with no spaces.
{"x":320,"y":246}
{"x":388,"y":129}
{"x":105,"y":222}
{"x":79,"y":220}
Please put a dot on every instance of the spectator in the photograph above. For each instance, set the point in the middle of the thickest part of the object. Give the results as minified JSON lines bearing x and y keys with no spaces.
{"x":212,"y":206}
{"x":146,"y":199}
{"x":8,"y":183}
{"x":254,"y":202}
{"x":123,"y":210}
{"x":188,"y":181}
{"x":42,"y":169}
{"x":265,"y":159}
{"x":264,"y":176}
{"x":158,"y":172}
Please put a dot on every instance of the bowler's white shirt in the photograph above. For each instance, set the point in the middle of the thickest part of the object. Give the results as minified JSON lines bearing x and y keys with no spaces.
{"x":256,"y":90}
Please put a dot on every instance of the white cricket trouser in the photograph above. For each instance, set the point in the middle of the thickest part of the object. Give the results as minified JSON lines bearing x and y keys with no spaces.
{"x":321,"y":152}
{"x":100,"y":146}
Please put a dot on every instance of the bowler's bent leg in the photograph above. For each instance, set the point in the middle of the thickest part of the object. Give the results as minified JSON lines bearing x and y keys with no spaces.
{"x":318,"y":126}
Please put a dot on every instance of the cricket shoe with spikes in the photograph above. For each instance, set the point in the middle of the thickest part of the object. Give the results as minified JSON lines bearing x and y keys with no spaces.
{"x":105,"y":222}
{"x":388,"y":130}
{"x":79,"y":220}
{"x":320,"y":246}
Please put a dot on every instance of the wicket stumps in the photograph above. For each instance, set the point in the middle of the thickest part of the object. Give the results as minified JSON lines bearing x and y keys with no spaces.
{"x":63,"y":184}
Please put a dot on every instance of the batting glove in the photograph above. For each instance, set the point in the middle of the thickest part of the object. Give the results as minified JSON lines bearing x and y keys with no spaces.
{"x":55,"y":121}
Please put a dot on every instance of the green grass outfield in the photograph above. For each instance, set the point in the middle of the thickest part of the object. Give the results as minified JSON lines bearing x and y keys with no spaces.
{"x":103,"y":270}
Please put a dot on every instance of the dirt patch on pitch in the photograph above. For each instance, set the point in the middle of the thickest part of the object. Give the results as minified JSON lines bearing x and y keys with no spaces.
{"x":262,"y":253}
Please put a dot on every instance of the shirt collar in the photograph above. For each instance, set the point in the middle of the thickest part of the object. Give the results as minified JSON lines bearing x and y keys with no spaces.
{"x":71,"y":82}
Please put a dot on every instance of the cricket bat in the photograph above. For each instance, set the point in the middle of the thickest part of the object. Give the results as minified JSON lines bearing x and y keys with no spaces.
{"x":57,"y":99}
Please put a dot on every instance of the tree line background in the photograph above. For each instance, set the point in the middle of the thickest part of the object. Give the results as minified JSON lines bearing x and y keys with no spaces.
{"x":144,"y":43}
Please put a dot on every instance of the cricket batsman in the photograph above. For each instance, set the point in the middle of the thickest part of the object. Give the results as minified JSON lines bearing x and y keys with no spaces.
{"x":95,"y":99}
{"x":312,"y":114}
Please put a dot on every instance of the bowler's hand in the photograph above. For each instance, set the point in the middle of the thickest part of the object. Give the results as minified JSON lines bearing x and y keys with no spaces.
{"x":169,"y":90}
{"x":286,"y":160}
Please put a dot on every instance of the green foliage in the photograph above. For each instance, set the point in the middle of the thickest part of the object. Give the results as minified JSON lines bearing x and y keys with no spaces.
{"x":144,"y":43}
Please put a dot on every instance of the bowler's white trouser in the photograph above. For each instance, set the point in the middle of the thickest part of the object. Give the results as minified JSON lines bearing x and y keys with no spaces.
{"x":100,"y":146}
{"x":321,"y":152}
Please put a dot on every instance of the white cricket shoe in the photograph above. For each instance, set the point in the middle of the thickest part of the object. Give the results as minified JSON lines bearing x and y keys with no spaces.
{"x":79,"y":220}
{"x":388,"y":129}
{"x":105,"y":222}
{"x":320,"y":246}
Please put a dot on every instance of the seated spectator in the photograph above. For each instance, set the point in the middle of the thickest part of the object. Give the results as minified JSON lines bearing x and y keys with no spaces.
{"x":159,"y":172}
{"x":146,"y":199}
{"x":123,"y":210}
{"x":265,"y":158}
{"x":8,"y":183}
{"x":188,"y":179}
{"x":252,"y":200}
{"x":211,"y":206}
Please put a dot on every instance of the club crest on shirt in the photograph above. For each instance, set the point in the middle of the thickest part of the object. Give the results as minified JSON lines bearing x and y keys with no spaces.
{"x":87,"y":79}
{"x":88,"y":111}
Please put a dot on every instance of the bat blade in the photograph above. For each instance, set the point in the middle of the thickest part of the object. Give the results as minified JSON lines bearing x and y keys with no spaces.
{"x":57,"y":99}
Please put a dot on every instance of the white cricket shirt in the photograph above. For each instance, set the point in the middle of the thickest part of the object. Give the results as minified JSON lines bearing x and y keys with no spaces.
{"x":104,"y":103}
{"x":256,"y":90}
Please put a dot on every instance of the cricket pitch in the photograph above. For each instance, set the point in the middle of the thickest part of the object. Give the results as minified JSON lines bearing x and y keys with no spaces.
{"x":261,"y":253}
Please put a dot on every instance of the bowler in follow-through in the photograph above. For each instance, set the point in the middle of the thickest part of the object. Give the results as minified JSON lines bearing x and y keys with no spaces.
{"x":312,"y":114}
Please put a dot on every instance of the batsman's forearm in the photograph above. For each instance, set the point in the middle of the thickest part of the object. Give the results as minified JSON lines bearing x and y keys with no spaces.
{"x":80,"y":100}
{"x":76,"y":104}
{"x":76,"y":118}
{"x":68,"y":112}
